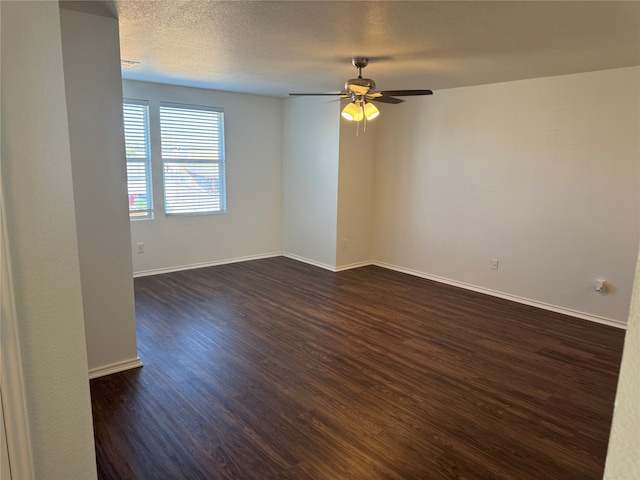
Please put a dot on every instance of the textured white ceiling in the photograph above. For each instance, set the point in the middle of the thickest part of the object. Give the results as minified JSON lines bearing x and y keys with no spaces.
{"x":276,"y":47}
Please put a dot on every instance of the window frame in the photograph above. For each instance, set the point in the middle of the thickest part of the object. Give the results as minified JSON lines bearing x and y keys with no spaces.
{"x":217,"y":161}
{"x":148,"y":213}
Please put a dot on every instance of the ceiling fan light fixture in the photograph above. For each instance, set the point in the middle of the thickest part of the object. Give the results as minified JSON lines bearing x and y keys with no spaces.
{"x":353,"y":112}
{"x":361,"y":91}
{"x":370,"y":111}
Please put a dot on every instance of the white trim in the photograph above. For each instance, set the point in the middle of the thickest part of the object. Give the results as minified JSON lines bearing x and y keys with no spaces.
{"x":192,"y":266}
{"x":114,"y":368}
{"x":514,"y":298}
{"x":494,"y":293}
{"x":352,"y":266}
{"x":309,"y":261}
{"x":12,"y":385}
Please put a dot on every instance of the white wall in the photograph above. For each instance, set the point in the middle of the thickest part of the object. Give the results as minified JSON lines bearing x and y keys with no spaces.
{"x":311,"y":133}
{"x":253,"y":223}
{"x":91,"y":56}
{"x":356,"y":181}
{"x":38,"y":191}
{"x":623,"y":459}
{"x":540,"y":174}
{"x":4,"y":455}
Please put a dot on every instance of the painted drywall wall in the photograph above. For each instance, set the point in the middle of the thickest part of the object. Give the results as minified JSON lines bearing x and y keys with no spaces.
{"x":4,"y":456}
{"x":91,"y":56}
{"x":540,"y":174}
{"x":623,"y":460}
{"x":356,"y":182}
{"x":311,"y":144}
{"x":38,"y":191}
{"x":252,"y":226}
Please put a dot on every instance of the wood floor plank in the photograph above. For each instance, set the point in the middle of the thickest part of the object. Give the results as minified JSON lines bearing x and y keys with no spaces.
{"x":274,"y":369}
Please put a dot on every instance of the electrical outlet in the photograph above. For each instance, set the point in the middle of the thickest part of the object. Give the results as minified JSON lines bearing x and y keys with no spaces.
{"x":494,"y":264}
{"x":344,"y":243}
{"x":140,"y":247}
{"x":600,"y":286}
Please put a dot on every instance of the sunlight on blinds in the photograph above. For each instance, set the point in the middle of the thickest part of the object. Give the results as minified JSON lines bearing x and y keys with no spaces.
{"x":193,"y":159}
{"x":136,"y":134}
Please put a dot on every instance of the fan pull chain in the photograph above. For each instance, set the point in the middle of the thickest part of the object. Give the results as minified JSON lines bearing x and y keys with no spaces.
{"x":364,"y":118}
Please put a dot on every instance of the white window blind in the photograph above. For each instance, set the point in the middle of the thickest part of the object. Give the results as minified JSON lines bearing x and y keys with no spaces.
{"x":192,"y":140}
{"x":136,"y":135}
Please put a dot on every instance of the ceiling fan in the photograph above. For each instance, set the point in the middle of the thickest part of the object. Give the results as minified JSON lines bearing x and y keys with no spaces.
{"x":362,"y":92}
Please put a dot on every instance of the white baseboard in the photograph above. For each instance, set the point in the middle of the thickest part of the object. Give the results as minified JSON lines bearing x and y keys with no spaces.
{"x":352,"y":266}
{"x":114,"y":368}
{"x":455,"y":283}
{"x":514,"y":298}
{"x":309,"y":261}
{"x":324,"y":265}
{"x":179,"y":268}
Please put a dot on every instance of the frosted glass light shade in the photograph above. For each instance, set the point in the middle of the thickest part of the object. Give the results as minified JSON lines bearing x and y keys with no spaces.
{"x":356,"y":111}
{"x":370,"y":111}
{"x":353,"y":112}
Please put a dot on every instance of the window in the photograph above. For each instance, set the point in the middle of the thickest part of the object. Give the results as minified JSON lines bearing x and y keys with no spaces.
{"x":136,"y":136}
{"x":192,"y":159}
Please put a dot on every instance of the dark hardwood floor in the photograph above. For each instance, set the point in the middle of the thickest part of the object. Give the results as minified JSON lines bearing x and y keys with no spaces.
{"x":274,"y":369}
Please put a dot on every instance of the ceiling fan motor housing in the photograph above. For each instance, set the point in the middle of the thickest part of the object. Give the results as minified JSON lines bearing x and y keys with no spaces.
{"x":362,"y":92}
{"x":360,"y":86}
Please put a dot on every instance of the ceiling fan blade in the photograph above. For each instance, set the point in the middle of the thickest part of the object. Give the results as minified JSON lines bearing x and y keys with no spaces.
{"x":382,"y":99}
{"x":318,"y":95}
{"x":405,"y":93}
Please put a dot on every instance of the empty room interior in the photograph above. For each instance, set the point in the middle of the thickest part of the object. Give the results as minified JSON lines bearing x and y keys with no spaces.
{"x":320,"y":239}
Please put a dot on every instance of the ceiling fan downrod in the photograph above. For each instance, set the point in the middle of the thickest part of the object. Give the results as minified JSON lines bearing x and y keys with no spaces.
{"x":362,"y":93}
{"x":359,"y":63}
